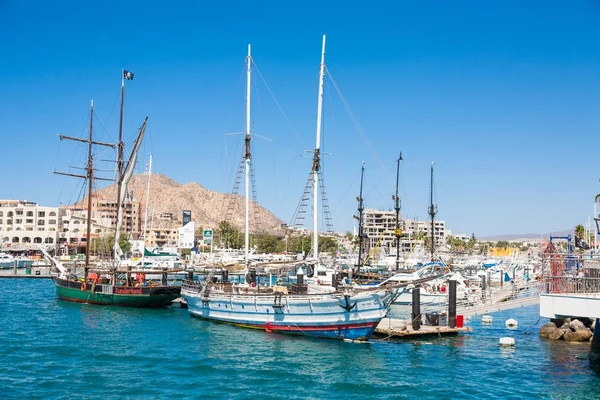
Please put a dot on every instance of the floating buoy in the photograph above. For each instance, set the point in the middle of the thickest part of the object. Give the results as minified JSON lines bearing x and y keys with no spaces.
{"x":507,"y":342}
{"x":511,"y":323}
{"x":487,"y":319}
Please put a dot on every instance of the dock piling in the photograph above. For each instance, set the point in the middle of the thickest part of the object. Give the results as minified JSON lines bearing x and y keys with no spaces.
{"x":452,"y":304}
{"x":416,"y":308}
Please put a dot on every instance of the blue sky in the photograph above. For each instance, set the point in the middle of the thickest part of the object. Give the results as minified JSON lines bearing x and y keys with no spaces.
{"x":504,"y":96}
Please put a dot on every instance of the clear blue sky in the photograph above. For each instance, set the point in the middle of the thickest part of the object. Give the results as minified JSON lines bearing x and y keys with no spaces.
{"x":504,"y":96}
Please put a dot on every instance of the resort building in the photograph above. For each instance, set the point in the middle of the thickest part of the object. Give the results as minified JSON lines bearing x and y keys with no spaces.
{"x":132,"y":220}
{"x":72,"y":238}
{"x":24,"y":224}
{"x":379,"y":229}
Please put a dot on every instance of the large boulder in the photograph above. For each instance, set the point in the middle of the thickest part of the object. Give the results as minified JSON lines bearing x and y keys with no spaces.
{"x":558,"y":334}
{"x":578,"y":336}
{"x":547,"y":329}
{"x":577,"y":325}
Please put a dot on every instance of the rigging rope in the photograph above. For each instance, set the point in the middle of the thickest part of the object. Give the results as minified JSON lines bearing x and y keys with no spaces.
{"x":355,"y":121}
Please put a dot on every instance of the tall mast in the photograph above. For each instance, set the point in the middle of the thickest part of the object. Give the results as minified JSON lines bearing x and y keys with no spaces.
{"x":432,"y":212}
{"x":360,"y":217}
{"x":317,"y":157}
{"x":90,"y":177}
{"x":398,"y":231}
{"x":120,"y":151}
{"x":247,"y":155}
{"x":146,"y":208}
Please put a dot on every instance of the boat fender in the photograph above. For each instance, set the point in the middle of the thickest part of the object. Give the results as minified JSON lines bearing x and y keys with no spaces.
{"x":83,"y":286}
{"x":318,"y":281}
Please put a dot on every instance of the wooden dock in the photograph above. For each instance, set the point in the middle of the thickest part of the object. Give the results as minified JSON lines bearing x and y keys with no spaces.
{"x":391,"y":327}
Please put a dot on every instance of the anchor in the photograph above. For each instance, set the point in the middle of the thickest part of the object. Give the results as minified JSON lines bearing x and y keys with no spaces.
{"x":348,"y":307}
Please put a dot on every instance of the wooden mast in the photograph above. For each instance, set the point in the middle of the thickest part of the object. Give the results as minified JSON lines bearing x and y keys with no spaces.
{"x":120,"y":160}
{"x":89,"y":176}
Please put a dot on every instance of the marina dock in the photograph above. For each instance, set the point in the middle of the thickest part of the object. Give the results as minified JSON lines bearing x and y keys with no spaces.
{"x":392,"y":327}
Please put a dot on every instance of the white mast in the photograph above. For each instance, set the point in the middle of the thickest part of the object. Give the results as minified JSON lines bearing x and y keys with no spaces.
{"x":146,"y":209}
{"x":248,"y":84}
{"x":316,"y":162}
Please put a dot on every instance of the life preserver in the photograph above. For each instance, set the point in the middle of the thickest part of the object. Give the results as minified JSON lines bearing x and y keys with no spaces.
{"x":83,"y":286}
{"x":443,"y":289}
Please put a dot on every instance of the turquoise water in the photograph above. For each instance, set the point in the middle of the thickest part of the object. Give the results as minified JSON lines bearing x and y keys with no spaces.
{"x":56,"y":349}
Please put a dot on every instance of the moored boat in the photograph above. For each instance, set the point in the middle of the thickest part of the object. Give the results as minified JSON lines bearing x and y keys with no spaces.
{"x":112,"y":286}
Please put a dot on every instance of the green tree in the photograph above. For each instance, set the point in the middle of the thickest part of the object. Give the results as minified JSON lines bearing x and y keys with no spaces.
{"x":229,"y":236}
{"x":328,"y":244}
{"x":580,"y":231}
{"x":266,"y":243}
{"x":104,"y":244}
{"x":471,"y":244}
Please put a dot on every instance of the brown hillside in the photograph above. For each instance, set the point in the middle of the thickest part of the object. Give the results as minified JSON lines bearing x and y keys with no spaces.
{"x":208,"y":207}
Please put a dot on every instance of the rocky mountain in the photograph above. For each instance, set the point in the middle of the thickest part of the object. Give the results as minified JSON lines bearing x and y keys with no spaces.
{"x":208,"y":207}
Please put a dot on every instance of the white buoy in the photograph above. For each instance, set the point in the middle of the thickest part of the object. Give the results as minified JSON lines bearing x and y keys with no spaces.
{"x":507,"y":342}
{"x":486,"y":319}
{"x":511,"y":323}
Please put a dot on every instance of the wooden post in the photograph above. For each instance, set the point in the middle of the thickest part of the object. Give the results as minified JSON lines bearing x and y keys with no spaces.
{"x":416,"y":309}
{"x":452,"y":304}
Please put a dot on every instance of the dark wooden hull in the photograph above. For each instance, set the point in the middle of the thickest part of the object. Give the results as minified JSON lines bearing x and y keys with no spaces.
{"x":143,"y":296}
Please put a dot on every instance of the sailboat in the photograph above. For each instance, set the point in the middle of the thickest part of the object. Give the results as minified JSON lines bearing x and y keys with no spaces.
{"x":344,"y":313}
{"x":111,"y":286}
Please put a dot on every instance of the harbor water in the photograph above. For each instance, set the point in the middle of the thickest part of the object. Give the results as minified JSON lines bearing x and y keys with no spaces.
{"x":56,"y":349}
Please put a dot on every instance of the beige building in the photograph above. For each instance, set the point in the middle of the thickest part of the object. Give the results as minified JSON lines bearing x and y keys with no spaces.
{"x":379,"y":227}
{"x":107,"y":210}
{"x":24,"y":224}
{"x":72,"y":238}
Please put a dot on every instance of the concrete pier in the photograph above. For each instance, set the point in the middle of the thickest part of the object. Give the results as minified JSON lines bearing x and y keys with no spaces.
{"x":391,"y":327}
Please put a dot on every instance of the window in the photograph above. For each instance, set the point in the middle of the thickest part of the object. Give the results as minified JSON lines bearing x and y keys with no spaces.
{"x":30,"y":213}
{"x":41,"y":222}
{"x":41,"y":214}
{"x":9,"y":221}
{"x":52,"y":222}
{"x":48,"y":240}
{"x":19,"y":212}
{"x":29,"y":221}
{"x":52,"y":214}
{"x":19,"y":221}
{"x":10,"y":214}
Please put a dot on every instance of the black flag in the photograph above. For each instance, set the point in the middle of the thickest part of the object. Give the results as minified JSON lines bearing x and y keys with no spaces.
{"x":581,"y":243}
{"x":128,"y":75}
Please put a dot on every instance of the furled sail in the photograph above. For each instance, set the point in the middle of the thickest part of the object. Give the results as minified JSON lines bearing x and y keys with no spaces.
{"x":127,"y":174}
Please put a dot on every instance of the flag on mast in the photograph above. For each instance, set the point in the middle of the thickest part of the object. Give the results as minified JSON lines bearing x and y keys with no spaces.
{"x":128,"y":75}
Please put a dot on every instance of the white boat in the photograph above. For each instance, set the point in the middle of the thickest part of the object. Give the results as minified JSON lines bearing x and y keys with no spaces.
{"x":347,"y":313}
{"x":8,"y":261}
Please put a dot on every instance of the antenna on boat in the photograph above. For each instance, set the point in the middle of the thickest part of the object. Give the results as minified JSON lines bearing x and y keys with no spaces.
{"x":398,"y":230}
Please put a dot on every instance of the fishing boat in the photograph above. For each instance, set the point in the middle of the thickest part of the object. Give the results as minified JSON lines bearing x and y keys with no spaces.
{"x":116,"y":285}
{"x":343,"y":312}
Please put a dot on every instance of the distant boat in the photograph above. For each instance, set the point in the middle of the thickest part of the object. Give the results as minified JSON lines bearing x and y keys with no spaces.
{"x":8,"y":261}
{"x":342,"y":313}
{"x":112,"y":286}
